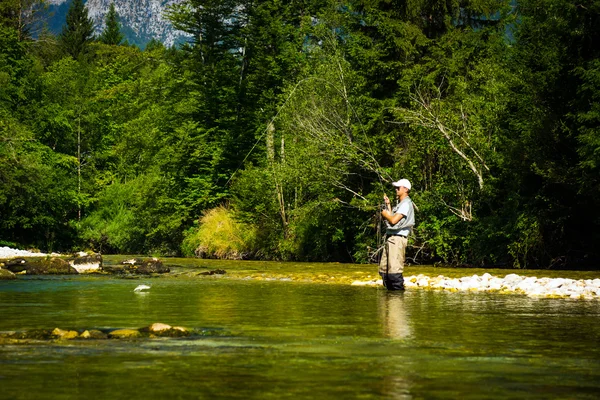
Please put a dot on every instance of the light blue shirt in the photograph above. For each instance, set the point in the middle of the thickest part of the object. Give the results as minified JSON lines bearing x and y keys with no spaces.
{"x":405,"y":225}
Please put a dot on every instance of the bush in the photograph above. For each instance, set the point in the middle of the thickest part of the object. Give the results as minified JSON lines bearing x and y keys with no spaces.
{"x":220,"y":235}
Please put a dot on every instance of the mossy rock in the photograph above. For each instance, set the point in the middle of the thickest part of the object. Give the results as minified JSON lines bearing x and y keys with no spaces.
{"x":6,"y":274}
{"x":15,"y":265}
{"x":114,"y":269}
{"x":53,"y":266}
{"x":138,"y":266}
{"x":40,"y":266}
{"x":152,"y":267}
{"x":93,"y":334}
{"x":163,"y":330}
{"x":34,"y":334}
{"x":124,"y":334}
{"x":65,"y":334}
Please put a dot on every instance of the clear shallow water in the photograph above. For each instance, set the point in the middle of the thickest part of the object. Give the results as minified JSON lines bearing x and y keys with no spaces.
{"x":296,"y":340}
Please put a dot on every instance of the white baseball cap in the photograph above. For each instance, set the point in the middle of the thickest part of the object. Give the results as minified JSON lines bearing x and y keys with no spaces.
{"x":402,"y":182}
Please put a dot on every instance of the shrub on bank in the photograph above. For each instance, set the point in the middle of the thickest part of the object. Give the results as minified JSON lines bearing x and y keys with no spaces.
{"x":219,"y":235}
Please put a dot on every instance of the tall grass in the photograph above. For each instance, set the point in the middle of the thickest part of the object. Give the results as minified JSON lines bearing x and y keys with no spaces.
{"x":219,"y":235}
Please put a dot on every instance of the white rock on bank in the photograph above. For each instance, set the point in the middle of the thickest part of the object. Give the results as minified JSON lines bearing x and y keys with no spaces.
{"x":7,"y":252}
{"x":531,"y":286}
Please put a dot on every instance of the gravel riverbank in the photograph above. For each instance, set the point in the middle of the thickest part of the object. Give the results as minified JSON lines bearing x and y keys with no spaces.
{"x":585,"y":289}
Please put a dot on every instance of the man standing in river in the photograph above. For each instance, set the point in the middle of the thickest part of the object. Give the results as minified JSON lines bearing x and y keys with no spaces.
{"x":399,"y":222}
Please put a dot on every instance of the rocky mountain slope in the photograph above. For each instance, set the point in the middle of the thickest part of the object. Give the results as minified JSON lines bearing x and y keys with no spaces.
{"x":141,"y":20}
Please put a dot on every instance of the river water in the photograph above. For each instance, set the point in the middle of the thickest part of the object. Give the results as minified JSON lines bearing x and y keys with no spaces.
{"x":280,"y":339}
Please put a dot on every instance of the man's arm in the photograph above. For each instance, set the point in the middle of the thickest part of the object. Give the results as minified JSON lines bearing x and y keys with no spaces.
{"x":387,"y":213}
{"x":392,"y":219}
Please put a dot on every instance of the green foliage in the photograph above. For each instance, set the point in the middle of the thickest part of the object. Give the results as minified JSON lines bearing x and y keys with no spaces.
{"x":14,"y":65}
{"x":37,"y":194}
{"x":220,"y":235}
{"x":134,"y":217}
{"x":113,"y":225}
{"x":529,"y":241}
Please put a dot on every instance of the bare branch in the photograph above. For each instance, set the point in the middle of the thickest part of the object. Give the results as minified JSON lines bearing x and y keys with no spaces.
{"x":428,"y":116}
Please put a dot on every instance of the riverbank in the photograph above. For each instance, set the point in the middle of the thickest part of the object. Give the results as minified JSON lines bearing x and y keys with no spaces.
{"x":583,"y":285}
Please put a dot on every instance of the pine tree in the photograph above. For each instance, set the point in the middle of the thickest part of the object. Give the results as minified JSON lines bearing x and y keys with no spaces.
{"x":112,"y":32}
{"x":78,"y":32}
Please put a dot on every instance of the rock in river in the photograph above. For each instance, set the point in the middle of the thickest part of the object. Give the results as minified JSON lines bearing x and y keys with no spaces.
{"x":37,"y":266}
{"x":6,"y":274}
{"x":138,"y":266}
{"x":164,"y":330}
{"x":64,"y":334}
{"x":86,"y":263}
{"x":93,"y":334}
{"x":125,"y":334}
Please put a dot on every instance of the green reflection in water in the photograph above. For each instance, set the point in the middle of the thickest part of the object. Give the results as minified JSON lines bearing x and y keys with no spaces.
{"x":295,"y":340}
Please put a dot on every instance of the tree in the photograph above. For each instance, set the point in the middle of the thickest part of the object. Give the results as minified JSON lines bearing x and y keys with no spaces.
{"x":112,"y":32}
{"x":78,"y":31}
{"x":554,"y":117}
{"x":22,"y":15}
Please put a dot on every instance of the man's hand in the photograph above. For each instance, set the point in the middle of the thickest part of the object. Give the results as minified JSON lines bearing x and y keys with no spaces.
{"x":388,"y":208}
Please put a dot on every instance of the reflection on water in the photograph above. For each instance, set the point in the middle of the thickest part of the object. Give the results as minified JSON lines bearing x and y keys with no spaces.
{"x":284,"y":339}
{"x":396,"y":325}
{"x":394,"y":316}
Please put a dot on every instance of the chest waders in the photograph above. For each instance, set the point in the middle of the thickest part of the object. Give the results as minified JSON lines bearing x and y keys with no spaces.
{"x":386,"y":249}
{"x":395,"y":280}
{"x":386,"y":279}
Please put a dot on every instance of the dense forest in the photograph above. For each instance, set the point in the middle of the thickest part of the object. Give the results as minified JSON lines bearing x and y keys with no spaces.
{"x":274,"y":132}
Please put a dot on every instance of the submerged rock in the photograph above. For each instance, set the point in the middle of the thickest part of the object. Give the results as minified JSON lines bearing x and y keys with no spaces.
{"x":93,"y":334}
{"x":124,"y":334}
{"x":214,"y":272}
{"x":34,"y":334}
{"x":155,"y":330}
